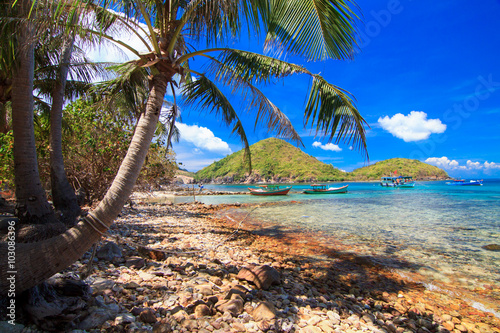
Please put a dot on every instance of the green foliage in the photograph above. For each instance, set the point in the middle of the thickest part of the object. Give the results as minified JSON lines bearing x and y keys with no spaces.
{"x":94,"y":147}
{"x":6,"y":160}
{"x":159,"y":168}
{"x":403,"y":166}
{"x":95,"y":141}
{"x":272,"y":158}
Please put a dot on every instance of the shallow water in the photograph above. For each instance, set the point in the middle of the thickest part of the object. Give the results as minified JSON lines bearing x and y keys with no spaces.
{"x":436,"y":230}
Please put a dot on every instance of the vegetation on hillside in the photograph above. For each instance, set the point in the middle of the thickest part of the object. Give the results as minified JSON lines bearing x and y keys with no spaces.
{"x":400,"y":167}
{"x":275,"y":159}
{"x":95,"y":142}
{"x":272,"y":159}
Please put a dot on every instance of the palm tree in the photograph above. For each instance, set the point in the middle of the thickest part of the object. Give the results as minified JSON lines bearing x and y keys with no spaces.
{"x":317,"y":29}
{"x":31,"y":200}
{"x":50,"y":82}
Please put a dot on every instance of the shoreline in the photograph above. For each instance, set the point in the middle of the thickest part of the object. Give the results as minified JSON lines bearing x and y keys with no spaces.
{"x":179,"y":270}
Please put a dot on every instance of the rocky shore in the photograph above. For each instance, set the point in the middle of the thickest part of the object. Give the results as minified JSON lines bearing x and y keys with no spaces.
{"x":203,"y":268}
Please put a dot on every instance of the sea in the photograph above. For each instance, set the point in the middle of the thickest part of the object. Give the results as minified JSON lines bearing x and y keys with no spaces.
{"x":434,"y":233}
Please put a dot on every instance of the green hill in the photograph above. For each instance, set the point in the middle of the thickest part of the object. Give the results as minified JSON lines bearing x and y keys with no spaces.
{"x":278,"y":161}
{"x":272,"y":160}
{"x":403,"y":167}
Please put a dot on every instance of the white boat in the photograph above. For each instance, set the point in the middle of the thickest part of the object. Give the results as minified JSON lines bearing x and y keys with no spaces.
{"x":462,"y":182}
{"x":399,"y":181}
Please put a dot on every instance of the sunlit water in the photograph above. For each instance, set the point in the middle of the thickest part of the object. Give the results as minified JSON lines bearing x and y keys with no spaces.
{"x":437,"y":229}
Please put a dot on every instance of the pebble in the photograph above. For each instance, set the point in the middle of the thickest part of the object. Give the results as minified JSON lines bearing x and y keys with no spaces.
{"x":204,"y":284}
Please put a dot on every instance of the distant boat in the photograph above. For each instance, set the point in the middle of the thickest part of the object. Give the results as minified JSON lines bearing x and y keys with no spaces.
{"x":322,"y":189}
{"x":270,"y":190}
{"x":399,"y":181}
{"x":463,"y":182}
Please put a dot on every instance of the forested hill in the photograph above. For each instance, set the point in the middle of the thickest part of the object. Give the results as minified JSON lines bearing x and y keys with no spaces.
{"x":272,"y":160}
{"x":278,"y":161}
{"x":400,"y":167}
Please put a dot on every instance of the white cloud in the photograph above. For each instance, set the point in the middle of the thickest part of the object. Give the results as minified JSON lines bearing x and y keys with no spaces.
{"x":491,"y":165}
{"x":473,"y":165}
{"x":328,"y":146}
{"x":447,"y":164}
{"x":413,"y":127}
{"x":203,"y":139}
{"x":442,"y":162}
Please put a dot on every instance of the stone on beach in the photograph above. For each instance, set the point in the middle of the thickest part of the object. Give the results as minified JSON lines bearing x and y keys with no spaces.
{"x":264,"y":311}
{"x":249,"y":283}
{"x":262,"y":276}
{"x":109,"y":251}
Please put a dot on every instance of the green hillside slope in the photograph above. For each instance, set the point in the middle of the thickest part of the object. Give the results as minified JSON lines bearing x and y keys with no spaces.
{"x":272,"y":160}
{"x":403,"y":167}
{"x":278,"y":161}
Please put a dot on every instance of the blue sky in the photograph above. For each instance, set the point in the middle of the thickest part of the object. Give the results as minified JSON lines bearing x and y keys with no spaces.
{"x":426,"y":80}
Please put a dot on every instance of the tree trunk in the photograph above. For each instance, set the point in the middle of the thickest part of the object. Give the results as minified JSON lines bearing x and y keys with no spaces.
{"x":3,"y":118}
{"x":63,"y":194}
{"x":32,"y":205}
{"x":35,"y":262}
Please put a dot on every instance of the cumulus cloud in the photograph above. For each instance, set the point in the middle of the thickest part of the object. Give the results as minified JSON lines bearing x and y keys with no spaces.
{"x":328,"y":146}
{"x":442,"y":162}
{"x":492,"y":165}
{"x":447,"y":164}
{"x":413,"y":127}
{"x":473,"y":165}
{"x":203,"y":139}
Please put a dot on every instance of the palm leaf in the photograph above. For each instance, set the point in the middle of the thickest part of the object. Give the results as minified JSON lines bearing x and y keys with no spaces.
{"x":205,"y":95}
{"x":328,"y":107}
{"x":318,"y":29}
{"x":237,"y":69}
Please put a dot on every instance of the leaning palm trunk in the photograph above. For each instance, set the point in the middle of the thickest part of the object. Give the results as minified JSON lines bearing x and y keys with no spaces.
{"x":35,"y":262}
{"x":63,"y":194}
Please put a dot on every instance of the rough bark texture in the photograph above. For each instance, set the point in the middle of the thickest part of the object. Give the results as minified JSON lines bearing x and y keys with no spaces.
{"x":36,"y":262}
{"x":32,"y":205}
{"x":3,"y":118}
{"x":63,"y":194}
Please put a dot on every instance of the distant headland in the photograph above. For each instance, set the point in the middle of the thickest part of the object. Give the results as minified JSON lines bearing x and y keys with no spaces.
{"x":275,"y":160}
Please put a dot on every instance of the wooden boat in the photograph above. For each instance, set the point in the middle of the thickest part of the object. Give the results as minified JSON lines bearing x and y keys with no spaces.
{"x":270,"y":190}
{"x":463,"y":182}
{"x":322,"y":189}
{"x":399,"y":181}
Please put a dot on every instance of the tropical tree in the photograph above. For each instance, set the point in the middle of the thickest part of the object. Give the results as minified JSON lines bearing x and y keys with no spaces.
{"x":49,"y":81}
{"x":31,"y":200}
{"x":316,"y":29}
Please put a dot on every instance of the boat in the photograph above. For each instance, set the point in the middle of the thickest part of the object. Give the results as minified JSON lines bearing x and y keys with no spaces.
{"x":322,"y":189}
{"x":399,"y":181}
{"x":270,"y":190}
{"x":463,"y":182}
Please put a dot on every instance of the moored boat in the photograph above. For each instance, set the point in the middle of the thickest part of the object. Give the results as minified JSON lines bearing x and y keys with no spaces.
{"x":322,"y":189}
{"x":270,"y":190}
{"x":463,"y":182}
{"x":399,"y":181}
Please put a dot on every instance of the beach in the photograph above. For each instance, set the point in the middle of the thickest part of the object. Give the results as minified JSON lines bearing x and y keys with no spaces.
{"x":204,"y":268}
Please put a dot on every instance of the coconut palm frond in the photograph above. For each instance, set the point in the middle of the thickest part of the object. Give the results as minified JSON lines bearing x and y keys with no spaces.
{"x":333,"y":111}
{"x":216,"y":21}
{"x":128,"y":88}
{"x":238,"y":69}
{"x":319,"y":29}
{"x":205,"y":95}
{"x":252,"y":67}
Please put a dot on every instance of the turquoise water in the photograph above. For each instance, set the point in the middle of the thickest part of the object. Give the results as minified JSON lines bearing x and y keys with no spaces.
{"x":434,"y":230}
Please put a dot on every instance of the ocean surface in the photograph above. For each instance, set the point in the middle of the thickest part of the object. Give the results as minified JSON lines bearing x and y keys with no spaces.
{"x":437,"y":230}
